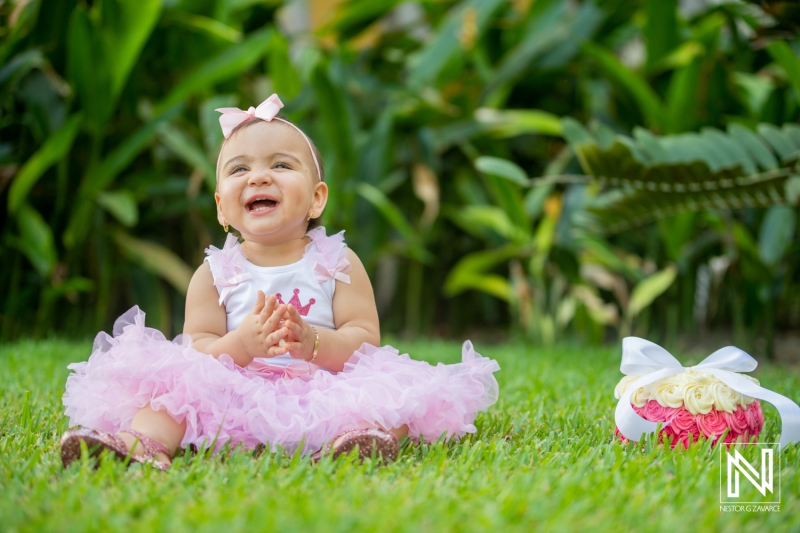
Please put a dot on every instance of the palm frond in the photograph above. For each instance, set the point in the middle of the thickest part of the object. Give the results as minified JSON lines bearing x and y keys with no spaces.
{"x":649,"y":177}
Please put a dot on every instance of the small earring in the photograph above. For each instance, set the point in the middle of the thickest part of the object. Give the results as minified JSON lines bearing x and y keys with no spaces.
{"x":311,"y":216}
{"x":225,"y":227}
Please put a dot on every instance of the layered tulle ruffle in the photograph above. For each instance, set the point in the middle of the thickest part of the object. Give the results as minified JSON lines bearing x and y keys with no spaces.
{"x":222,"y":402}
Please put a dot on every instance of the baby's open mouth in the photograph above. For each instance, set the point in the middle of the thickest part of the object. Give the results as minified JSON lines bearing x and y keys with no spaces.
{"x":261,"y":204}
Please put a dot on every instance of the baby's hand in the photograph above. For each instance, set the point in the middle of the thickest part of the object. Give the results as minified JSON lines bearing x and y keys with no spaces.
{"x":299,"y":337}
{"x":260,"y":330}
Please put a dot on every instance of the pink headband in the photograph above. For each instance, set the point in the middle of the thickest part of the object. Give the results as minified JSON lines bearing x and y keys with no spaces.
{"x":233,"y":116}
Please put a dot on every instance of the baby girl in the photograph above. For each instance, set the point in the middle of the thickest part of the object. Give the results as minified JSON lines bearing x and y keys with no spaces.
{"x":281,"y":339}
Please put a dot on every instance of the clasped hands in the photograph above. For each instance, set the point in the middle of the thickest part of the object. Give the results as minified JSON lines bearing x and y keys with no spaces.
{"x":269,"y":323}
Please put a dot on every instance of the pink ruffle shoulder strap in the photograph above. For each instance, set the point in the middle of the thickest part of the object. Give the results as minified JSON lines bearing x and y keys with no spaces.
{"x":327,"y":255}
{"x":228,"y":266}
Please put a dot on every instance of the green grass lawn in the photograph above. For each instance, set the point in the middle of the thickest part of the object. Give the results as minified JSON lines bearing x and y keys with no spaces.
{"x":544,"y":458}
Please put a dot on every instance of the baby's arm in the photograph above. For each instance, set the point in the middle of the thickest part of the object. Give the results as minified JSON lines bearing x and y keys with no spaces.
{"x":206,"y":322}
{"x":355,"y":317}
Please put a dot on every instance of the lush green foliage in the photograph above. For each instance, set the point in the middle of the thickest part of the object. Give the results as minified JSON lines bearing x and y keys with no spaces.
{"x":431,"y":117}
{"x":544,"y":458}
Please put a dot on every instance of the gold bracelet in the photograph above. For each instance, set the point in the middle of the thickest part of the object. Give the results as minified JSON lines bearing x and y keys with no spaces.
{"x":316,"y":345}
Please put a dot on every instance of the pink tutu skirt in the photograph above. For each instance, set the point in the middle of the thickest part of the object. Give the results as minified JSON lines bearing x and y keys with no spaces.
{"x":299,"y":405}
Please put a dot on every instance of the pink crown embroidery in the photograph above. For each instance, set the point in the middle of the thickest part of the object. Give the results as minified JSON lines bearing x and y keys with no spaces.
{"x":295,"y":302}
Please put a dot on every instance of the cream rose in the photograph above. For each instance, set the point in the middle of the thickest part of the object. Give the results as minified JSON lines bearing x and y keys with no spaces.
{"x":669,"y":391}
{"x":697,"y":398}
{"x":623,"y":385}
{"x":697,"y":391}
{"x":724,"y":398}
{"x":641,"y":395}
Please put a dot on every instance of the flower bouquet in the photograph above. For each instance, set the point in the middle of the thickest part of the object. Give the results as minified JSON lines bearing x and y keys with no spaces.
{"x":706,"y":400}
{"x":692,"y":404}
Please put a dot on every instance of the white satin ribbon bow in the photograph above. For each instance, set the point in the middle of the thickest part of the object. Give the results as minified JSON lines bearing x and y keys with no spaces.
{"x":641,"y":357}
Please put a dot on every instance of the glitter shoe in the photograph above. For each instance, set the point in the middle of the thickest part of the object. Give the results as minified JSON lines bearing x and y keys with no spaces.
{"x":382,"y":444}
{"x":97,"y":441}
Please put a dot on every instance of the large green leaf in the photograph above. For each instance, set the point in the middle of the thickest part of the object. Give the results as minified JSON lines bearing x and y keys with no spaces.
{"x":471,"y":273}
{"x":545,"y":27}
{"x":122,"y":205}
{"x":646,"y":291}
{"x":19,"y":66}
{"x":126,"y":28}
{"x":788,"y":60}
{"x":776,"y":234}
{"x":285,"y":77}
{"x":157,"y":259}
{"x":104,"y":44}
{"x":502,"y":168}
{"x":495,"y":219}
{"x":550,"y":26}
{"x":682,"y":97}
{"x":36,"y":240}
{"x":445,"y":44}
{"x":104,"y":173}
{"x":53,"y":150}
{"x":206,"y":25}
{"x":514,"y":122}
{"x":396,"y":218}
{"x":354,"y":16}
{"x":336,"y":121}
{"x":649,"y":103}
{"x":228,"y":64}
{"x":188,"y":150}
{"x":661,"y":29}
{"x":87,"y":69}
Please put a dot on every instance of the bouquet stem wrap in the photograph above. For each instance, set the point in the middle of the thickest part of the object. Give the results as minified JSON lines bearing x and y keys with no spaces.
{"x":641,"y":357}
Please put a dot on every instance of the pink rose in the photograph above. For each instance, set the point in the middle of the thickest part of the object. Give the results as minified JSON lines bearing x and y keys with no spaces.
{"x":712,"y":424}
{"x":737,"y":420}
{"x":654,"y":412}
{"x":755,"y":417}
{"x":684,"y":422}
{"x":682,"y":438}
{"x":668,"y":433}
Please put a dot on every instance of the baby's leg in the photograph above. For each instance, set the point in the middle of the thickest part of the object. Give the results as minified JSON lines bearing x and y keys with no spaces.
{"x":157,"y":425}
{"x":400,"y":432}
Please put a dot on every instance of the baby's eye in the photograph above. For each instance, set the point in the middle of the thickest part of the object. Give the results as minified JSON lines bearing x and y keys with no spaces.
{"x":238,"y":169}
{"x":281,"y":164}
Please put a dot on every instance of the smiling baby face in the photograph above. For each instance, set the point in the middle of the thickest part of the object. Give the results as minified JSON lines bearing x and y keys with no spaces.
{"x":267,"y":184}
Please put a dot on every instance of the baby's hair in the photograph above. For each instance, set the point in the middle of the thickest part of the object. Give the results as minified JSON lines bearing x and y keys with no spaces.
{"x":314,"y":222}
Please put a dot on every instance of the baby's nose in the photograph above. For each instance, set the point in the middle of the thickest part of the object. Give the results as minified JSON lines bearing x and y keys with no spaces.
{"x":260,"y":177}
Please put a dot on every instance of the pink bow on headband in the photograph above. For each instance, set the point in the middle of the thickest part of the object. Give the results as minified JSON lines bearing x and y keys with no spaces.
{"x":233,"y":116}
{"x":267,"y":110}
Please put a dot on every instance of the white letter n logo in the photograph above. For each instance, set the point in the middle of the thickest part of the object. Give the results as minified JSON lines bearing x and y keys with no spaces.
{"x":741,"y":465}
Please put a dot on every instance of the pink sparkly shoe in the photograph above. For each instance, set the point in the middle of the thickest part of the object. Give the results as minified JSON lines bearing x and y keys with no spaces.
{"x":97,"y":441}
{"x":382,"y":443}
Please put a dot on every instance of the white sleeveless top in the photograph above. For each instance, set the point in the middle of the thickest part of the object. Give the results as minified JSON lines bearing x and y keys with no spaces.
{"x":308,"y":284}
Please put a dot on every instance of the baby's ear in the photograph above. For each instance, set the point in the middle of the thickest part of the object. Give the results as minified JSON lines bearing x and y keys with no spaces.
{"x":220,"y":217}
{"x":320,"y":199}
